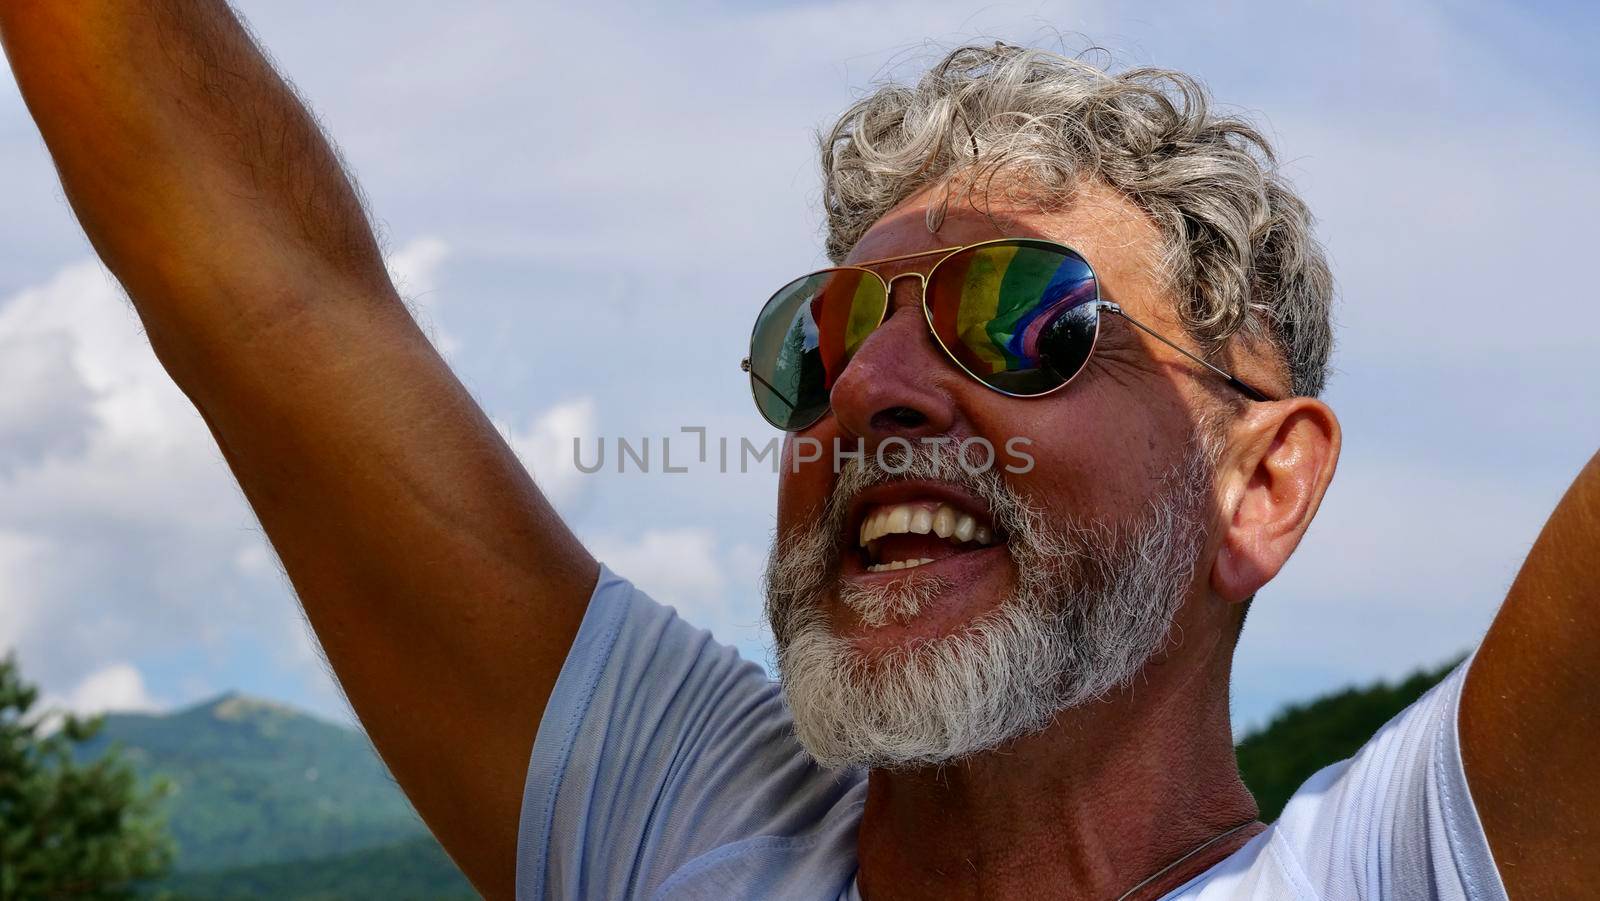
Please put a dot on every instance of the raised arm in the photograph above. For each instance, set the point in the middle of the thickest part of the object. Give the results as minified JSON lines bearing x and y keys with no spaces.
{"x":445,"y":590}
{"x":1530,"y":712}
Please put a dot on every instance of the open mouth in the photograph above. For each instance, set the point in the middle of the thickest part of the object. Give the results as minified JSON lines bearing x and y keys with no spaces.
{"x":916,"y":531}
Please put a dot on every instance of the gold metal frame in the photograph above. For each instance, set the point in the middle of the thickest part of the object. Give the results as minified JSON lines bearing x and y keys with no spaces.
{"x":1100,"y":306}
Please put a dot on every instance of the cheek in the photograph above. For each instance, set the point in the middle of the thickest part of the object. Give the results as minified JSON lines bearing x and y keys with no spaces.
{"x":1069,"y":479}
{"x":1091,"y":459}
{"x":802,"y":486}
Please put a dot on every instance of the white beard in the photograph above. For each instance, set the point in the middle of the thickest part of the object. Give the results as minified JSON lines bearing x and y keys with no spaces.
{"x":1091,"y":607}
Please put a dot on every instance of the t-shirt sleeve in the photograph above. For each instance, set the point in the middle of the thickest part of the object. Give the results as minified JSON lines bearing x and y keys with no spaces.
{"x":1396,"y":821}
{"x":657,"y":746}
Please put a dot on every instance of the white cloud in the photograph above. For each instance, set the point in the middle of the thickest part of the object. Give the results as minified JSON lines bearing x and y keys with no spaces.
{"x":114,"y":688}
{"x":545,"y":447}
{"x":121,"y":526}
{"x":119,"y":522}
{"x":19,"y":561}
{"x":83,"y":331}
{"x":44,"y":407}
{"x":414,"y":269}
{"x":139,"y":451}
{"x":688,"y":569}
{"x":255,"y":558}
{"x":677,"y":566}
{"x":668,"y":191}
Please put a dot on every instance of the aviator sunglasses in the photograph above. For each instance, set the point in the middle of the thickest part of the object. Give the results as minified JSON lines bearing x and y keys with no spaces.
{"x":1020,"y":315}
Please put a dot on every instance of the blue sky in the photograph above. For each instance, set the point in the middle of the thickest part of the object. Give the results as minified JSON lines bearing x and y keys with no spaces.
{"x":573,"y":197}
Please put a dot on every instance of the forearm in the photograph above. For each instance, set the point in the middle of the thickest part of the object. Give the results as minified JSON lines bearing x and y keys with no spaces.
{"x":200,"y":178}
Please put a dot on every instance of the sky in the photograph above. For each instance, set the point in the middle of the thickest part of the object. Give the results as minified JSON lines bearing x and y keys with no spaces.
{"x":586,"y":208}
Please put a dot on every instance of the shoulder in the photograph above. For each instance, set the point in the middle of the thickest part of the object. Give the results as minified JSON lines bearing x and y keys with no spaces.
{"x":1265,"y":869}
{"x":666,"y":766}
{"x":1394,"y":821}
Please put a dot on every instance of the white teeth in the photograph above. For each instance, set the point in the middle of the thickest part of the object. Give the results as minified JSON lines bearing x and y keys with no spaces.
{"x":966,"y":527}
{"x":874,"y":526}
{"x":898,"y":564}
{"x":920,"y":519}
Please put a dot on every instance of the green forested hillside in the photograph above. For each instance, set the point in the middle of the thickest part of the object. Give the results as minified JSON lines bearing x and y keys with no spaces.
{"x":272,"y":803}
{"x":257,"y":782}
{"x":411,"y":870}
{"x":1304,"y":738}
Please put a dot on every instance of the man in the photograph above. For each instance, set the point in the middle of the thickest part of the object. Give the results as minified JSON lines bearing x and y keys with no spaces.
{"x":999,"y":680}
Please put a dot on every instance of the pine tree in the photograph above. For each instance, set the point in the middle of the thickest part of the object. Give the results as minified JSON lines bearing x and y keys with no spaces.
{"x":69,"y":829}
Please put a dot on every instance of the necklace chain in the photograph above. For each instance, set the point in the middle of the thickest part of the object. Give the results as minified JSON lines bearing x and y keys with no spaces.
{"x":1176,"y":863}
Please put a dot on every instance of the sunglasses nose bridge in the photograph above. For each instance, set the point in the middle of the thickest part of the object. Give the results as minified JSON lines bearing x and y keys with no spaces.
{"x":917,"y":291}
{"x":892,"y":384}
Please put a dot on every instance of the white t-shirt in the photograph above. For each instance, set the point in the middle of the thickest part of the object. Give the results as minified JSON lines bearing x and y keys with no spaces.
{"x":666,"y":767}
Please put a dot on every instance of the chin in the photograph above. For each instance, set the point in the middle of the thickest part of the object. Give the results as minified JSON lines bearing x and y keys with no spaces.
{"x":965,"y":675}
{"x":877,"y":613}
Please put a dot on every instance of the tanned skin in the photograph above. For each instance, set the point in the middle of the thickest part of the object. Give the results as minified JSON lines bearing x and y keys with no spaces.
{"x":443,"y":587}
{"x":1530,"y":712}
{"x":1114,"y":790}
{"x":446,"y":591}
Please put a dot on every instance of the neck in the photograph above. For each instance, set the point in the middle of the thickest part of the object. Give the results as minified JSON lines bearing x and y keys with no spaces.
{"x":1107,"y":796}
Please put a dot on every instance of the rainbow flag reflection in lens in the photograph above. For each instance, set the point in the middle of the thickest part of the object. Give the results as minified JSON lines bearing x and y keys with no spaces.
{"x":848,"y":307}
{"x":991,"y":305}
{"x":1016,"y":314}
{"x":805,"y":335}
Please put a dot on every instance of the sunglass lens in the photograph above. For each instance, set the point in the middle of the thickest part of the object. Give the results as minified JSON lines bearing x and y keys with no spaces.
{"x":803,"y":338}
{"x":1019,"y":316}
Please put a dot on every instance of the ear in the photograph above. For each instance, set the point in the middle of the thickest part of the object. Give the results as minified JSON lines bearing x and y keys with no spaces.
{"x":1278,"y":464}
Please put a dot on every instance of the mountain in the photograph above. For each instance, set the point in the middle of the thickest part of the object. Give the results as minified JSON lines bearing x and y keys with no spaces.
{"x":273,"y":803}
{"x":257,"y":782}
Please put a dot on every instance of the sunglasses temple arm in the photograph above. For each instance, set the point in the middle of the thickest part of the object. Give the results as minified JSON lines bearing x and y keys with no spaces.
{"x":767,"y":385}
{"x":1236,"y":383}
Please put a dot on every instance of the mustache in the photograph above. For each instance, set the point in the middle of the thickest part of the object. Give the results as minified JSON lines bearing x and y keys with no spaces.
{"x":805,"y":559}
{"x":925,"y":463}
{"x":1094,"y":600}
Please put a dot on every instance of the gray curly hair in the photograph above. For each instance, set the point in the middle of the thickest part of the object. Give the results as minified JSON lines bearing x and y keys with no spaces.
{"x":1238,"y":244}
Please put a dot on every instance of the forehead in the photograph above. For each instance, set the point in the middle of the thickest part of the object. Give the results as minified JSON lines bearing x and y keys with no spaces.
{"x":1116,"y":237}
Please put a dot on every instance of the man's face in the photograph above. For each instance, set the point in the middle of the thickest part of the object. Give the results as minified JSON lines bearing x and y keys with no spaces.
{"x":1116,"y":483}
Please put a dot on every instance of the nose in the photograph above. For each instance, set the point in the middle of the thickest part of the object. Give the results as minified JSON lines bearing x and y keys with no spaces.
{"x":896,"y":384}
